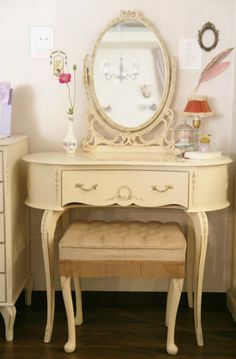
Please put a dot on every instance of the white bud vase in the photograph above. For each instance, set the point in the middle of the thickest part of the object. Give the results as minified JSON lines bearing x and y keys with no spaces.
{"x":70,"y":143}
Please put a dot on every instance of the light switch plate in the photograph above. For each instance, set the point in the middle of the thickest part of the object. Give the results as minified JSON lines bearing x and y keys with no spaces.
{"x":41,"y":41}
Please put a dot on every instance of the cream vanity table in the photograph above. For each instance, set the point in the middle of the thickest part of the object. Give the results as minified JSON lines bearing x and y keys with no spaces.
{"x":14,"y":248}
{"x":128,"y":157}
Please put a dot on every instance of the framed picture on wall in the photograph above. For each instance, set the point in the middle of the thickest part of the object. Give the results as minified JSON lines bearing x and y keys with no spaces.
{"x":5,"y":109}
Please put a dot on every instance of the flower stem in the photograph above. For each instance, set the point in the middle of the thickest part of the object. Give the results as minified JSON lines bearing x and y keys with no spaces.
{"x":71,"y":106}
{"x":74,"y":70}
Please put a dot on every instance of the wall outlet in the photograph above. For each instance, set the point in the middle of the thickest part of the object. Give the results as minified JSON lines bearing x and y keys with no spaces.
{"x":41,"y":41}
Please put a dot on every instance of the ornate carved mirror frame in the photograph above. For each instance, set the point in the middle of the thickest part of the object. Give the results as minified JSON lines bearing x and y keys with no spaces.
{"x":208,"y":27}
{"x":102,"y":132}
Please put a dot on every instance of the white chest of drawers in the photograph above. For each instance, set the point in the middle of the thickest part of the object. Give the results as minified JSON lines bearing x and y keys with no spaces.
{"x":14,"y":256}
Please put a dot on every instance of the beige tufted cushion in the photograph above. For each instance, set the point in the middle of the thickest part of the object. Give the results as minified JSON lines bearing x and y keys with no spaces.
{"x":135,"y":243}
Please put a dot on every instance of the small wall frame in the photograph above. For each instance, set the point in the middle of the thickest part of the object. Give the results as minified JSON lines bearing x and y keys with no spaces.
{"x":208,"y":27}
{"x":58,"y":60}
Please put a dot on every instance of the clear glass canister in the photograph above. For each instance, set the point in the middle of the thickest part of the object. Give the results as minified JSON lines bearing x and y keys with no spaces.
{"x":184,"y":137}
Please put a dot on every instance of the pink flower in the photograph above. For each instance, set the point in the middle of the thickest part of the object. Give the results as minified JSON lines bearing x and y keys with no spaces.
{"x":64,"y":78}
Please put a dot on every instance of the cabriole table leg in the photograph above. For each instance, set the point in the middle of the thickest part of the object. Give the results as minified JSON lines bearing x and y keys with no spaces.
{"x":48,"y":226}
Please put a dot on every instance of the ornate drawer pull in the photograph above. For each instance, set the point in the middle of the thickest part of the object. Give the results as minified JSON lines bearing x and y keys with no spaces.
{"x":81,"y":186}
{"x":167,"y":187}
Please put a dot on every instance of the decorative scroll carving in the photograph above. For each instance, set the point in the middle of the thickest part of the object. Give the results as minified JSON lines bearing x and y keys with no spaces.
{"x":116,"y":138}
{"x":58,"y":185}
{"x":204,"y":224}
{"x":193,"y":186}
{"x":127,"y":14}
{"x":124,"y":193}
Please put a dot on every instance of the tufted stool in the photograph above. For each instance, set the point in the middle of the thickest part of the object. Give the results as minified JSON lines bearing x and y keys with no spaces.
{"x":122,"y":249}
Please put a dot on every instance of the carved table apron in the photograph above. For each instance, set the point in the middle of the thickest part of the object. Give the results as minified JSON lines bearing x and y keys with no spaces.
{"x":56,"y":181}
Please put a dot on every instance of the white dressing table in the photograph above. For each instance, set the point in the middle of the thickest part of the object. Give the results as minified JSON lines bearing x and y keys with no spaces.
{"x":128,"y":156}
{"x":57,"y":181}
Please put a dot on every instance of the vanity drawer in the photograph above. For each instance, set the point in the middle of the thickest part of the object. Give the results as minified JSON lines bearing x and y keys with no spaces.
{"x":2,"y":288}
{"x":144,"y":188}
{"x":2,"y":258}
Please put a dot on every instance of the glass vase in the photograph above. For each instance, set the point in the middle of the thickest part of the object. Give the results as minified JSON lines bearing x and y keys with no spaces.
{"x":70,"y":143}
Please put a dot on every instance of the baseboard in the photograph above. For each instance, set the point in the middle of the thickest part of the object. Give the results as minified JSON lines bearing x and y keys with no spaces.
{"x":231,"y":302}
{"x":115,"y":297}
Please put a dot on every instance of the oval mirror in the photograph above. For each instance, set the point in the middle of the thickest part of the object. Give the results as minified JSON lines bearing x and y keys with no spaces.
{"x":130,"y":74}
{"x":129,"y":84}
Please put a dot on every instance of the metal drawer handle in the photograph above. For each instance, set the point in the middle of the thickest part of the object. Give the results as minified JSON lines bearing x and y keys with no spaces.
{"x":167,"y":187}
{"x":81,"y":186}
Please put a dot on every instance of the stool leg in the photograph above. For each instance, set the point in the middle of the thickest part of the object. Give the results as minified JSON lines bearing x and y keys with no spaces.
{"x":177,"y":285}
{"x":66,"y":291}
{"x":190,"y":262}
{"x":78,"y":301}
{"x":168,"y":302}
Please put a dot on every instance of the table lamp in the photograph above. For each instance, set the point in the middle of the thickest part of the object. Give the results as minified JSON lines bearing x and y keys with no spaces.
{"x":198,"y":108}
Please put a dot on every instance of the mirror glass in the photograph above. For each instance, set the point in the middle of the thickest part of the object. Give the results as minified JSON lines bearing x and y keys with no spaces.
{"x":129,"y":74}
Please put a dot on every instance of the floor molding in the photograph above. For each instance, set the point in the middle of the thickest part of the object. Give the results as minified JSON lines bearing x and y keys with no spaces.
{"x":39,"y":297}
{"x":231,"y":302}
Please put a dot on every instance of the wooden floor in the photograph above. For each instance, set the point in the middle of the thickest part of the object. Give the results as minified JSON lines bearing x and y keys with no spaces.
{"x":121,"y":325}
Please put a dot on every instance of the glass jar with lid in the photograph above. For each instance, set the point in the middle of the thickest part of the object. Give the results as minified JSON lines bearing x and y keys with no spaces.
{"x":184,"y":137}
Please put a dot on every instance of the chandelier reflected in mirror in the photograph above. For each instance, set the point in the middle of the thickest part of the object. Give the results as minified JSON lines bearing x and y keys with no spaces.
{"x":120,"y":72}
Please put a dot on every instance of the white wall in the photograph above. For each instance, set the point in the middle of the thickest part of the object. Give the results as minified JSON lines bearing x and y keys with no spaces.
{"x":233,"y":154}
{"x":40,"y":103}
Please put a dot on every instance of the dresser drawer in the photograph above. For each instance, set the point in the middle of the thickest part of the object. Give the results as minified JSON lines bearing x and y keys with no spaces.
{"x":1,"y":166}
{"x":2,"y":287}
{"x":144,"y":188}
{"x":2,"y":231}
{"x":1,"y":198}
{"x":2,"y":258}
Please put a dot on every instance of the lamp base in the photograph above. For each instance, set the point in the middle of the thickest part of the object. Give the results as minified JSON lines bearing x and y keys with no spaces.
{"x":196,"y":126}
{"x":196,"y":123}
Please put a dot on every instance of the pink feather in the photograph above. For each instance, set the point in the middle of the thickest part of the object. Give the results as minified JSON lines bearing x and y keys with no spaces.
{"x":215,"y":67}
{"x":215,"y":71}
